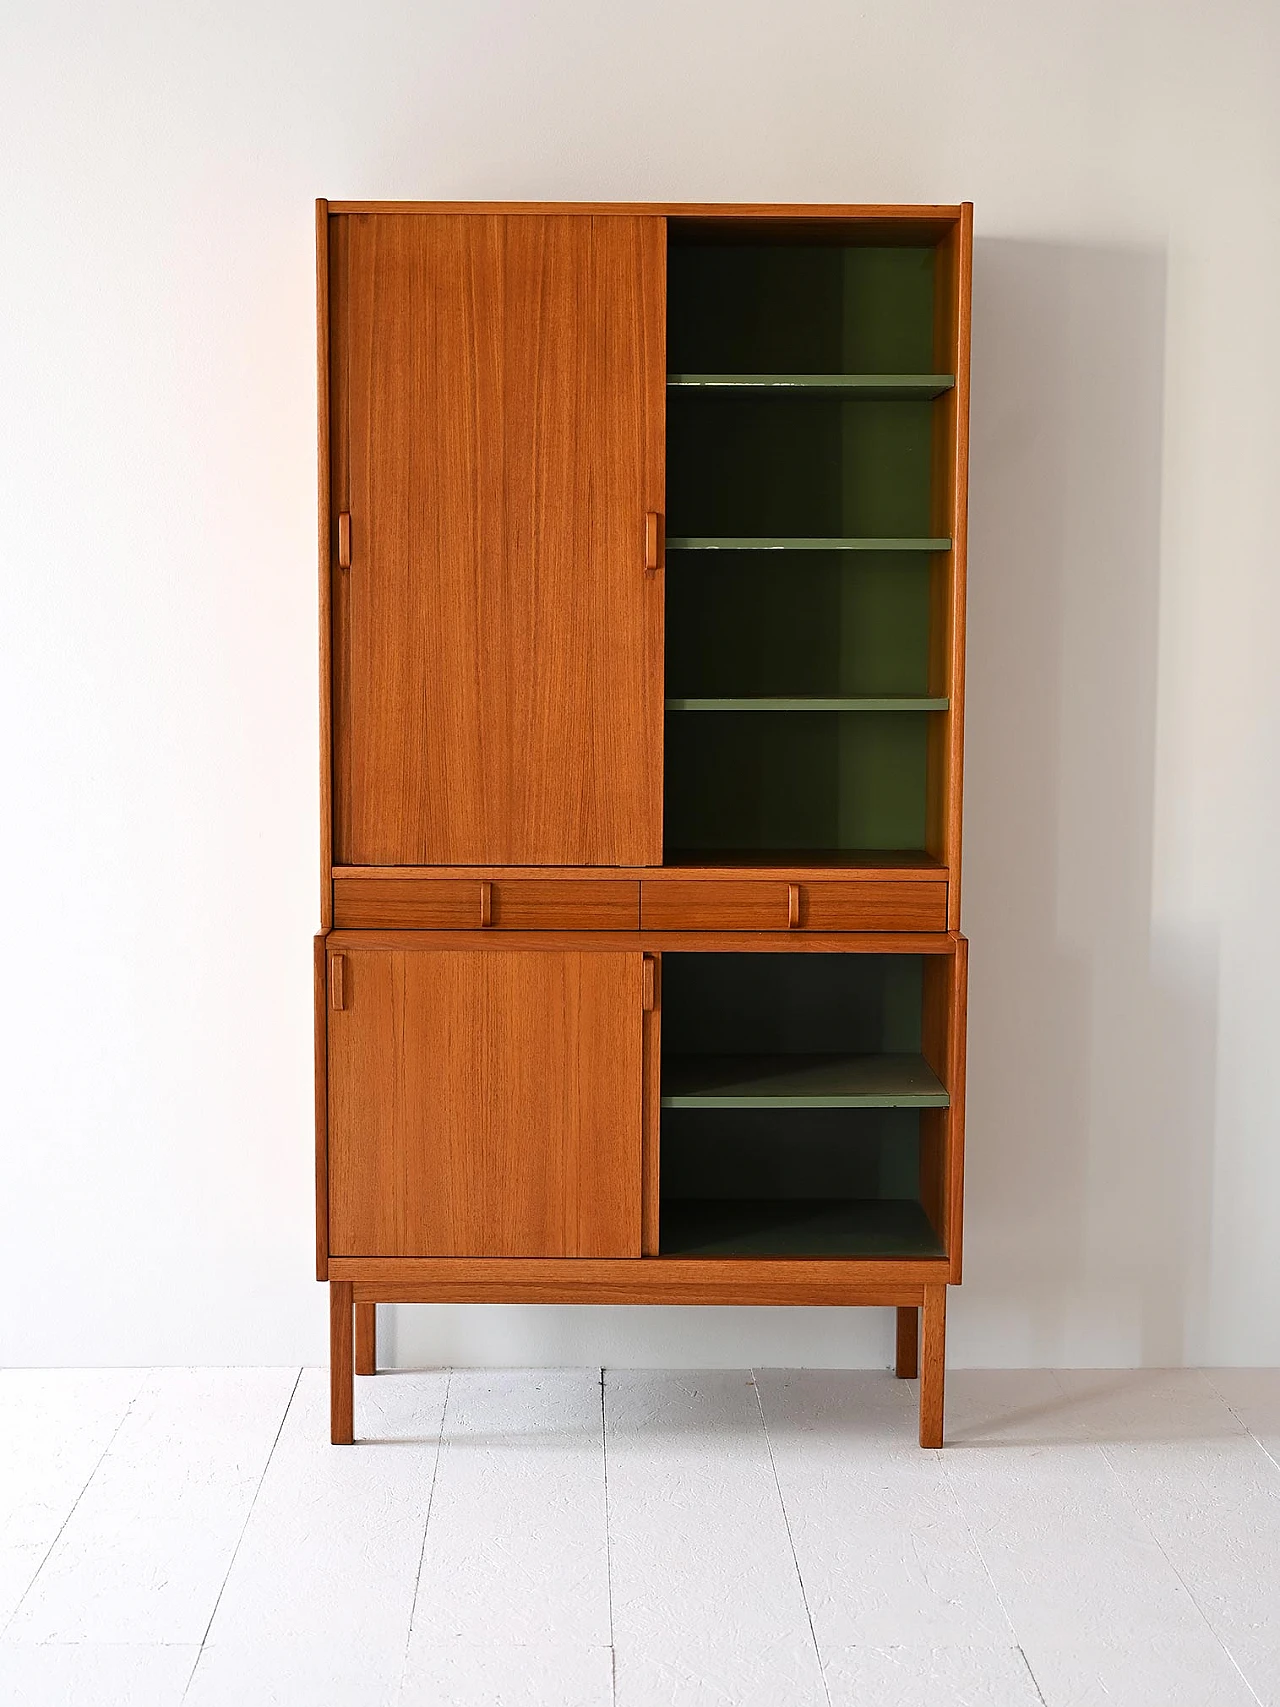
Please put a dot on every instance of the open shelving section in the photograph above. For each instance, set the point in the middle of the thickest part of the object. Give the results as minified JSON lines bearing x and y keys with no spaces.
{"x":810,"y":598}
{"x":799,"y":1097}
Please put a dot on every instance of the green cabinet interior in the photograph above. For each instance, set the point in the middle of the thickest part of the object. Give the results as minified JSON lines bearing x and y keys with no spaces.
{"x":801,"y":527}
{"x":793,"y":1088}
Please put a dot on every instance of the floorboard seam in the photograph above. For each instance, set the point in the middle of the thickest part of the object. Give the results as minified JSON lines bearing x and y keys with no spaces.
{"x":786,"y":1521}
{"x":48,"y":1552}
{"x":1100,"y":1446}
{"x":226,"y":1575}
{"x":608,"y":1542}
{"x":1260,"y":1444}
{"x":1035,"y":1681}
{"x":426,"y":1524}
{"x":959,"y":1506}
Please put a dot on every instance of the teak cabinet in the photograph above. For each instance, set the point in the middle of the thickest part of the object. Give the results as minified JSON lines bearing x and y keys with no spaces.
{"x":642,"y":569}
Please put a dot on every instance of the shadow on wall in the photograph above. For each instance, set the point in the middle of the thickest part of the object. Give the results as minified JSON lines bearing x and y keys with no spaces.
{"x":1091,"y":1045}
{"x":1091,"y":1036}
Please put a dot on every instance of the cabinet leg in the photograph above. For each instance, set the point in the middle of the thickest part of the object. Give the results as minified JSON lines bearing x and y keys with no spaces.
{"x":933,"y":1365}
{"x":341,"y":1365}
{"x":366,"y":1339}
{"x":908,"y":1364}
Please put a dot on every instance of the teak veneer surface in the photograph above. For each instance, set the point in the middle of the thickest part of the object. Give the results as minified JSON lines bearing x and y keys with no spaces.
{"x":933,"y":943}
{"x":501,"y":643}
{"x":501,"y":903}
{"x":649,"y":1280}
{"x":844,"y":905}
{"x":485,"y":1104}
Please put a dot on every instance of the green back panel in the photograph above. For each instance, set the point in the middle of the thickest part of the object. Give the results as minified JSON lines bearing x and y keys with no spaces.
{"x":793,"y":308}
{"x":797,"y":779}
{"x":809,"y":623}
{"x":741,"y":465}
{"x":795,"y":1153}
{"x":791,"y":1004}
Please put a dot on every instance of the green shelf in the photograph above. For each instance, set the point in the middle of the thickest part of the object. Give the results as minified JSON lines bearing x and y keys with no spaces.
{"x":801,"y":1081}
{"x":813,"y":702}
{"x":803,"y":1227}
{"x":872,"y":386}
{"x":690,"y":542}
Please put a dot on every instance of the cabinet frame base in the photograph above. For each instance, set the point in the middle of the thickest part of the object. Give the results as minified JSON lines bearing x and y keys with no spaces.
{"x":917,"y":1291}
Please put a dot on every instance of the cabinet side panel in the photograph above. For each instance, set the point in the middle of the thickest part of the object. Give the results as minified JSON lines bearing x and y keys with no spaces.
{"x":957,"y":1059}
{"x":506,"y":398}
{"x":324,"y":510}
{"x":321,"y":1016}
{"x":948,"y":571}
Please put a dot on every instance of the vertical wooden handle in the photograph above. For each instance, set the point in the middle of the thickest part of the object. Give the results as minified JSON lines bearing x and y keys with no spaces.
{"x":344,"y":540}
{"x":486,"y":903}
{"x":793,"y":906}
{"x":337,"y":995}
{"x":651,"y":542}
{"x":648,"y":985}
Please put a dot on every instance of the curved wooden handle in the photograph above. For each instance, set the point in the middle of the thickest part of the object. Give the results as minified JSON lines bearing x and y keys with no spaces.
{"x":652,"y":543}
{"x":486,"y":903}
{"x":793,"y":906}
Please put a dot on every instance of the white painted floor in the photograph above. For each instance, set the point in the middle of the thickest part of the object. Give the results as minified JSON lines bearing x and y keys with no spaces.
{"x":655,"y":1540}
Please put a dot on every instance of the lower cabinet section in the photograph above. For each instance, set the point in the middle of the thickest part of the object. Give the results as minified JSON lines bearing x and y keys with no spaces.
{"x":633,"y":1117}
{"x":484,"y":1103}
{"x":526,"y":1098}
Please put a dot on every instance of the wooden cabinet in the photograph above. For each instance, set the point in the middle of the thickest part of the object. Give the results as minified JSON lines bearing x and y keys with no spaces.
{"x":642,"y":579}
{"x":484,"y":1103}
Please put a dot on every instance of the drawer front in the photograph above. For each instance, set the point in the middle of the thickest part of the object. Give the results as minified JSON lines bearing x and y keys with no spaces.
{"x":469,"y":903}
{"x":690,"y":905}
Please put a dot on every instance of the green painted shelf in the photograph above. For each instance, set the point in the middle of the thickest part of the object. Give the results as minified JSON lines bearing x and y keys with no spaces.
{"x":813,"y":702}
{"x":872,"y":386}
{"x":689,"y":542}
{"x":801,"y":1081}
{"x":800,"y":1227}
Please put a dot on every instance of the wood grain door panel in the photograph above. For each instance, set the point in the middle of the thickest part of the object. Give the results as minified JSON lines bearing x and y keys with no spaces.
{"x":499,"y":643}
{"x":485,"y":1103}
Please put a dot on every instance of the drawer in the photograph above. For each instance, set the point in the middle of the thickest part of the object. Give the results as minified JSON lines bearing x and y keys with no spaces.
{"x":501,"y":903}
{"x":765,"y":905}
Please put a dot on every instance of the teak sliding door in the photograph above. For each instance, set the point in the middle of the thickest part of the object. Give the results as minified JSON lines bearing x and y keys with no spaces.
{"x":484,"y":1102}
{"x":497,"y":389}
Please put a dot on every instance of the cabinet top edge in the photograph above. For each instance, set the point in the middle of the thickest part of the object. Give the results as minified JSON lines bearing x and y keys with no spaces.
{"x":943,"y":213}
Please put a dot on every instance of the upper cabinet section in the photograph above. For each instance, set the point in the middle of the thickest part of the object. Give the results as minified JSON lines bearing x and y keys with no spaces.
{"x":496,"y":426}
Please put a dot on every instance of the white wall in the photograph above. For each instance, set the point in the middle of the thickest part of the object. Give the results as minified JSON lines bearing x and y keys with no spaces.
{"x":158,"y":826}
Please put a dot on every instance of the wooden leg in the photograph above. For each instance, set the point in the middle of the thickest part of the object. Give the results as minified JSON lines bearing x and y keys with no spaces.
{"x":933,"y":1365}
{"x":908,"y":1364}
{"x":341,"y":1365}
{"x":366,"y":1339}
